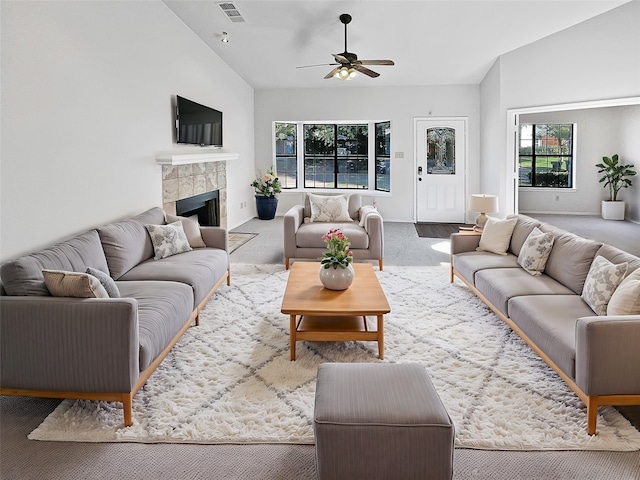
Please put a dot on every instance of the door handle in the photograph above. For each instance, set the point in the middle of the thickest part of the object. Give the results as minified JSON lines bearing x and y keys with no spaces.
{"x":419,"y":170}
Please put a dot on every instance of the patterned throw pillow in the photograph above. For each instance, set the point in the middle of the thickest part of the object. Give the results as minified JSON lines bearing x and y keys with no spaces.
{"x":626,"y":298}
{"x":168,"y":239}
{"x":330,"y":208}
{"x":496,"y":235}
{"x":601,"y":282}
{"x":61,"y":283}
{"x":106,"y":281}
{"x":535,"y":252}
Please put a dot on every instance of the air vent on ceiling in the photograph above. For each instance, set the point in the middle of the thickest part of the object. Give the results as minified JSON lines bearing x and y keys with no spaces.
{"x":231,"y":12}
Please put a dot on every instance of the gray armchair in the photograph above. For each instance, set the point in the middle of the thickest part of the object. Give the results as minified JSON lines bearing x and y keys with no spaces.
{"x":303,"y":239}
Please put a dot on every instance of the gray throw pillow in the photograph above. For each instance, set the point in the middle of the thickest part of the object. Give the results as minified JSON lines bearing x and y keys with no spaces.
{"x":191,"y":229}
{"x":106,"y":281}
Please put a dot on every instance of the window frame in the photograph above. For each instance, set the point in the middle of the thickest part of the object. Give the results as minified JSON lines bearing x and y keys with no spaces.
{"x":300,"y":156}
{"x":533,"y":155}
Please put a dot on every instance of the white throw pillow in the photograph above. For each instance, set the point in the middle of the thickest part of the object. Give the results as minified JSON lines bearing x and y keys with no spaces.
{"x":329,"y":208}
{"x":626,"y":298}
{"x":191,"y":229}
{"x":535,"y":252}
{"x":168,"y":239}
{"x":601,"y":282}
{"x":61,"y":283}
{"x":496,"y":235}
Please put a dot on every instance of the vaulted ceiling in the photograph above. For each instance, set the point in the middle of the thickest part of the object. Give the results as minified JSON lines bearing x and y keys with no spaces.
{"x":431,"y":42}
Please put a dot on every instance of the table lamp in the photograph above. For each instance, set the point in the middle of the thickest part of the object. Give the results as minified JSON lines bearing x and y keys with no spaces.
{"x":483,"y":204}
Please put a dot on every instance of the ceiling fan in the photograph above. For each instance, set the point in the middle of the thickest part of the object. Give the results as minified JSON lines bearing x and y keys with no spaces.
{"x":348,"y":64}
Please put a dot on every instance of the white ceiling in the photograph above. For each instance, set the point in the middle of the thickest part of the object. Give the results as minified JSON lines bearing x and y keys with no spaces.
{"x":431,"y":42}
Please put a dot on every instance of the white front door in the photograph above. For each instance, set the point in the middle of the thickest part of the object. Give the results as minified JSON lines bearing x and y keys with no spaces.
{"x":440,"y":148}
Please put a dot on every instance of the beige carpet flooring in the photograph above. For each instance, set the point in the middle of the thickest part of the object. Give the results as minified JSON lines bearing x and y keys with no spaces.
{"x":24,"y":459}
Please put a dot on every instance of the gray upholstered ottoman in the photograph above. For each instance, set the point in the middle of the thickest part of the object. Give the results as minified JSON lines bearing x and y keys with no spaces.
{"x":380,"y":421}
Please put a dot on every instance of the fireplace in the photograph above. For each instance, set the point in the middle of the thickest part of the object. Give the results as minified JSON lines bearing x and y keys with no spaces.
{"x":197,"y":180}
{"x":206,"y":206}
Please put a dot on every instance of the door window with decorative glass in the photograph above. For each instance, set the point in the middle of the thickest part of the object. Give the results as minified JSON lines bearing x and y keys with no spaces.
{"x":441,"y":151}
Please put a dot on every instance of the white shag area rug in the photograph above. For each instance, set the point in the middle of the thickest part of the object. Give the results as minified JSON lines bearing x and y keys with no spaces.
{"x":230,"y":380}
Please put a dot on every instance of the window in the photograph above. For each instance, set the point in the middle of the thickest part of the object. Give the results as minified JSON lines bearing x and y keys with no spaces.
{"x":333,"y":155}
{"x":383,"y":156}
{"x":546,"y":155}
{"x":286,"y":155}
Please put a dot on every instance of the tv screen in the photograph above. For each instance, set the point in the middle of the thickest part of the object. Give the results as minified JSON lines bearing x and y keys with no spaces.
{"x":197,"y":124}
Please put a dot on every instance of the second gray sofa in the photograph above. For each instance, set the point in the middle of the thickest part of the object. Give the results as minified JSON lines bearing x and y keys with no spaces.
{"x":596,"y":355}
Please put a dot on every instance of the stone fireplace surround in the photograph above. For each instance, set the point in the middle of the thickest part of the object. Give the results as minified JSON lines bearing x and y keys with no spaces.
{"x":191,"y":171}
{"x":187,"y":180}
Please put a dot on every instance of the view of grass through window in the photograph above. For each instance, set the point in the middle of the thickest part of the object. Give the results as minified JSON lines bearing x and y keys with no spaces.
{"x":546,"y":155}
{"x":333,"y":155}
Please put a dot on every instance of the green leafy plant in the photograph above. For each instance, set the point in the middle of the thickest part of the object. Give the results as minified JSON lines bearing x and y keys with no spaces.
{"x":615,"y":175}
{"x":267,"y":184}
{"x":339,"y":254}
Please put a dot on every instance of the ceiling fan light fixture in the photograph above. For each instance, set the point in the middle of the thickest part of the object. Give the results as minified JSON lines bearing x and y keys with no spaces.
{"x":343,"y":73}
{"x":352,"y":73}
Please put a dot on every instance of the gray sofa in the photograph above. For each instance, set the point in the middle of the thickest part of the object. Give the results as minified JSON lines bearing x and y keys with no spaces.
{"x":597,"y":356}
{"x":103,"y":348}
{"x":303,"y":239}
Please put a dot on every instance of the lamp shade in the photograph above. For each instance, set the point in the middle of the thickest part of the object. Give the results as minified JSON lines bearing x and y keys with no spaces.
{"x":483,"y":203}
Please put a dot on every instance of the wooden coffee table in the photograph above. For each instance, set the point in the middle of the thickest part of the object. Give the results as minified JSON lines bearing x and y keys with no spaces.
{"x":321,"y":315}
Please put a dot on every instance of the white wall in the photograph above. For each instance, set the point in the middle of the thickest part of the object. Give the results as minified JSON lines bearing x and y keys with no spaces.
{"x":492,"y":137}
{"x":600,"y":132}
{"x":399,"y":105}
{"x":628,"y":149}
{"x":86,"y":105}
{"x":594,"y":60}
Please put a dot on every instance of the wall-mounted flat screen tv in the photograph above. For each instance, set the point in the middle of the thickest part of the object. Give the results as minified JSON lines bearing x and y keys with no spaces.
{"x":197,"y":124}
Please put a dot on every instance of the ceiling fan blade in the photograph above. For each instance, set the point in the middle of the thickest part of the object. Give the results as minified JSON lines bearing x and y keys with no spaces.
{"x":366,"y":71}
{"x":332,"y":73}
{"x":340,"y":58}
{"x":318,"y":65}
{"x":376,"y":62}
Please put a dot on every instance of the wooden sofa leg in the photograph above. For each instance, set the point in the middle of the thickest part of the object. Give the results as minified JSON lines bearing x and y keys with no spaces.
{"x":286,"y":264}
{"x":228,"y":277}
{"x":380,"y":264}
{"x":127,"y":404}
{"x":592,"y":414}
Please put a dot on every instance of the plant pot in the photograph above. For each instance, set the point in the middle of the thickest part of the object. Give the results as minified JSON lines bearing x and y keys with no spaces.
{"x":613,"y":210}
{"x":266,"y":207}
{"x":336,"y":278}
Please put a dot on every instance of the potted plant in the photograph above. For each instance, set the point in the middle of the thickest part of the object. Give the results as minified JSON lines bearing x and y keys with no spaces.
{"x":336,"y":271}
{"x":615,"y":177}
{"x":266,"y":186}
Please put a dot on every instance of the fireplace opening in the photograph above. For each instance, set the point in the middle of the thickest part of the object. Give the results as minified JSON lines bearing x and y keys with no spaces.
{"x":206,"y":206}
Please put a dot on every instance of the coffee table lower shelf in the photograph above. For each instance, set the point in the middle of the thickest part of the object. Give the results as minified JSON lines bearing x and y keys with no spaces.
{"x":319,"y":328}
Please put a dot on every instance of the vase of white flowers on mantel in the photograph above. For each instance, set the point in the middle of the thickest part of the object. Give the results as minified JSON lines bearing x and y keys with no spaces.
{"x":266,"y":187}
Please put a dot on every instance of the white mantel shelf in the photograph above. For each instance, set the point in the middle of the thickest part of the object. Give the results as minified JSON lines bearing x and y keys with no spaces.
{"x":187,"y":156}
